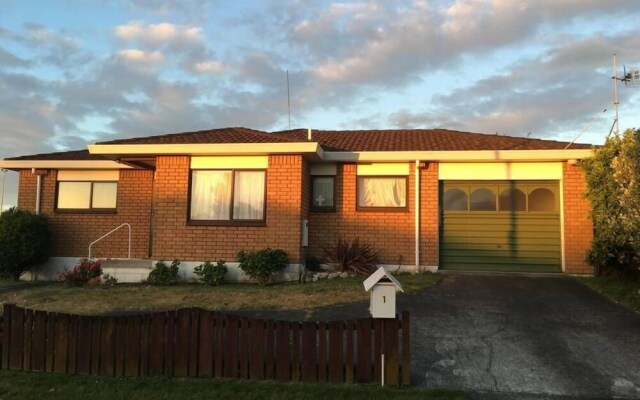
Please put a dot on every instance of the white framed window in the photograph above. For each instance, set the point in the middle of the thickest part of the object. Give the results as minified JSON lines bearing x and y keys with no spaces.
{"x":382,"y":192}
{"x":87,"y":196}
{"x":223,"y":196}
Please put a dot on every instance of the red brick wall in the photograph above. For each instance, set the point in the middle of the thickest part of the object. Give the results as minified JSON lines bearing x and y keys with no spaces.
{"x":578,"y":228}
{"x":393,"y":233}
{"x":174,"y":238}
{"x":390,"y":232}
{"x":71,"y":234}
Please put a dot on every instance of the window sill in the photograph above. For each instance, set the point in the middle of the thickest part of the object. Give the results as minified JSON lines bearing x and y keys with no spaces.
{"x":323,"y":209}
{"x":383,"y":209}
{"x":226,"y":223}
{"x":83,"y":211}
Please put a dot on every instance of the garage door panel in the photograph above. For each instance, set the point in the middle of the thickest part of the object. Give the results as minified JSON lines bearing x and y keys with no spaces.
{"x":506,"y":261}
{"x":470,"y":222}
{"x":477,"y":266}
{"x":498,"y":240}
{"x":517,"y":248}
{"x":453,"y":240}
{"x":499,"y":235}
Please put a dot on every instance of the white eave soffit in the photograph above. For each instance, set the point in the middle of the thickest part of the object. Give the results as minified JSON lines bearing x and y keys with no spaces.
{"x":207,"y":149}
{"x":62,"y":164}
{"x":459,"y":156}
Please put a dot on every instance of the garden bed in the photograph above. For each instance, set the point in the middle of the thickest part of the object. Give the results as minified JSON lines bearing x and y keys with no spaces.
{"x":141,"y":297}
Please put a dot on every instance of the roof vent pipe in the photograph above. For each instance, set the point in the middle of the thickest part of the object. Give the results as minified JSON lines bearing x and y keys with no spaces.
{"x":309,"y":135}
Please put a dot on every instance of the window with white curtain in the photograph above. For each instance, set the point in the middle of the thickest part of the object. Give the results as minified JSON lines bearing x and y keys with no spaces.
{"x":322,"y":193}
{"x":73,"y":195}
{"x":382,"y":192}
{"x":227,"y":195}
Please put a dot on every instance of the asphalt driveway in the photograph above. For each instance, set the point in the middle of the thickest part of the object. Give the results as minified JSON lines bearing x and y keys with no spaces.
{"x":515,"y":337}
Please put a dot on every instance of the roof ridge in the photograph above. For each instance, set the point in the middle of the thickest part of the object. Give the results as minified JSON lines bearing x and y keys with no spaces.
{"x":167,"y":135}
{"x":410,"y":130}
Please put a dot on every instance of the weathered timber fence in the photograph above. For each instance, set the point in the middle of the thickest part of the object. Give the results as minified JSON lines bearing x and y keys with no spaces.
{"x":201,"y":343}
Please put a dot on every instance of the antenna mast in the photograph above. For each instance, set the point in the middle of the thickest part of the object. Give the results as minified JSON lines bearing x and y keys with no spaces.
{"x":615,"y":94}
{"x":288,"y":100}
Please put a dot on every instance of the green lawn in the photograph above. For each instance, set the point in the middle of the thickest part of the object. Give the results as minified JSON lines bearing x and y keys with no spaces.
{"x":623,"y":291}
{"x":140,"y":297}
{"x":19,"y":385}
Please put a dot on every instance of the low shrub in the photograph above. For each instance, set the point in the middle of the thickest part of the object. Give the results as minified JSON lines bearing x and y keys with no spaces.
{"x":212,"y":275}
{"x":108,"y":280}
{"x":85,"y":273}
{"x":360,"y":259}
{"x":262,"y":264}
{"x":164,"y":275}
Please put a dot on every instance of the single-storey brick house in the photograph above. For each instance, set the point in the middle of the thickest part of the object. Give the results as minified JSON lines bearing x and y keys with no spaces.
{"x":426,"y":199}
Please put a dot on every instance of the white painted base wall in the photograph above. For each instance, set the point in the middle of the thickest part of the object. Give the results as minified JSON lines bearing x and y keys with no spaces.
{"x":50,"y":270}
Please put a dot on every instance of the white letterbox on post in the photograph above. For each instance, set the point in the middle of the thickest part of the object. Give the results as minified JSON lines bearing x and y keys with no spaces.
{"x":382,"y":286}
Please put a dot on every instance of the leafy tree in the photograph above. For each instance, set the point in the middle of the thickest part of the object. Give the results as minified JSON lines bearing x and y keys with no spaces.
{"x":24,"y":241}
{"x":613,"y":188}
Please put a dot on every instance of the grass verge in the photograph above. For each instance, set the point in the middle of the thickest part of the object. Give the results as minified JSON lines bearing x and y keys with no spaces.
{"x":623,"y":291}
{"x":19,"y":385}
{"x":59,"y":298}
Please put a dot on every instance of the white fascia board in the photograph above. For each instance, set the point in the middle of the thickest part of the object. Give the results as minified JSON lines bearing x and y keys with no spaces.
{"x":466,"y":156}
{"x":62,"y":164}
{"x":210,"y":149}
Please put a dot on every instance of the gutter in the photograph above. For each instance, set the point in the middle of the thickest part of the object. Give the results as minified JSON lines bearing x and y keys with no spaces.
{"x":61,"y":164}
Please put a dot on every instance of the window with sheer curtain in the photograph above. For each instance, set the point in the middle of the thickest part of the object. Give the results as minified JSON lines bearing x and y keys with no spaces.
{"x":382,"y":192}
{"x":94,"y":196}
{"x":229,"y":195}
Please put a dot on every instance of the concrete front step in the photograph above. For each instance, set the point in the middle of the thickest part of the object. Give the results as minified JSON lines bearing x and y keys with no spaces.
{"x":134,"y":270}
{"x":131,"y":263}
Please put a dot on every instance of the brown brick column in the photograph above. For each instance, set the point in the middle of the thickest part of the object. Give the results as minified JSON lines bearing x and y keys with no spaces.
{"x":578,"y":227}
{"x":429,"y":218}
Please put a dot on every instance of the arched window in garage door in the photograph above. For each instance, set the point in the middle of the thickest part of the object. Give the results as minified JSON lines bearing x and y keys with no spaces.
{"x":542,"y":199}
{"x":512,"y":199}
{"x":455,"y":199}
{"x":482,"y":199}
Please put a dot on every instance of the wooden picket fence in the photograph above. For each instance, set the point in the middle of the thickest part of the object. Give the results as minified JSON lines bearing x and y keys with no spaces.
{"x":201,"y":343}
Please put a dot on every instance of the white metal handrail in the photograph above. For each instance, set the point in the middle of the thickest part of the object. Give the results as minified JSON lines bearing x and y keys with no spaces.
{"x":109,"y":233}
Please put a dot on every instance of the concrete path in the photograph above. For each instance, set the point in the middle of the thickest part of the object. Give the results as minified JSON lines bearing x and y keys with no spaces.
{"x":515,"y":337}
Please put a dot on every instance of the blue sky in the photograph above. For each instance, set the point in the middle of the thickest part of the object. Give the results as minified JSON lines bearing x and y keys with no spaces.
{"x":74,"y":72}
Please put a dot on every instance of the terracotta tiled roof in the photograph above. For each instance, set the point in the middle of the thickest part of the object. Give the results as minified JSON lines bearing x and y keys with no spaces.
{"x":423,"y":140}
{"x":222,"y":135}
{"x":74,"y":155}
{"x":363,"y":140}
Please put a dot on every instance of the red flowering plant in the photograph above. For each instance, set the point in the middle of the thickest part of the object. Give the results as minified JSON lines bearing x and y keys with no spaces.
{"x":86,"y":272}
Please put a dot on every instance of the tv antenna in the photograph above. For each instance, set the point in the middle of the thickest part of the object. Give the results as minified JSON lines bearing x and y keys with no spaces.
{"x":288,"y":100}
{"x":631,"y":78}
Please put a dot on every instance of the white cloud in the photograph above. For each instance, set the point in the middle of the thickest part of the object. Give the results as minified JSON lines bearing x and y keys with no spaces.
{"x":140,"y":56}
{"x":154,"y":34}
{"x":209,"y":67}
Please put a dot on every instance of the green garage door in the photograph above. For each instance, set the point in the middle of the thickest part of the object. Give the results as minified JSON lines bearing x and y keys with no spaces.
{"x":500,"y":226}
